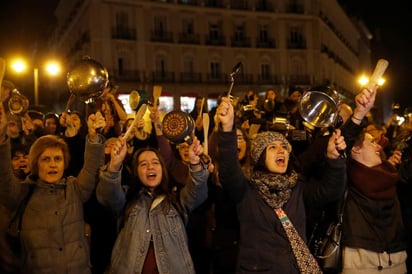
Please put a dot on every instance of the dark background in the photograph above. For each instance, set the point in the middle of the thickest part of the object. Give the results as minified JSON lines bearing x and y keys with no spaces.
{"x":388,"y":22}
{"x":25,"y":24}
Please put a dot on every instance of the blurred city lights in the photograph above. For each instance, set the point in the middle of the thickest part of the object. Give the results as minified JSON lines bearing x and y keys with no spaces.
{"x":364,"y":80}
{"x":51,"y":67}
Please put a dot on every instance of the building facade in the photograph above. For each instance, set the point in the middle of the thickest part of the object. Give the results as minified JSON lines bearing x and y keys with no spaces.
{"x":189,"y":47}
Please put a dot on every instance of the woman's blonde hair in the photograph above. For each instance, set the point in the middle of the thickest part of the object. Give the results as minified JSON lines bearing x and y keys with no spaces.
{"x":40,"y":145}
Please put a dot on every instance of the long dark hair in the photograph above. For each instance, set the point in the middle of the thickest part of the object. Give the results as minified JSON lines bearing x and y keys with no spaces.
{"x":165,"y":188}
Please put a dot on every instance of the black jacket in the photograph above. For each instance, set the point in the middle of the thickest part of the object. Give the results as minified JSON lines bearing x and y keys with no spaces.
{"x":264,"y":246}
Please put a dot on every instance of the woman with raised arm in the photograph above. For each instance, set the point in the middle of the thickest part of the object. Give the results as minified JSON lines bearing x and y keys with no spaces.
{"x":52,"y":233}
{"x":153,"y":236}
{"x":374,"y":237}
{"x":271,"y":204}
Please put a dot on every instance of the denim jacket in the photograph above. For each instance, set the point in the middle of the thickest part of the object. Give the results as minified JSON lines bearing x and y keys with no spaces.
{"x":148,"y":221}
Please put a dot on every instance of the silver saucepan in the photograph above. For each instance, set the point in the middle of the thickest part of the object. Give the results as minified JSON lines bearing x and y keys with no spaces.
{"x":86,"y":80}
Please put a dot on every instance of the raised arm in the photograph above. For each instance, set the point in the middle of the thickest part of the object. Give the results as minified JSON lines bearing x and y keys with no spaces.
{"x":10,"y":192}
{"x":109,"y":190}
{"x":93,"y":156}
{"x":230,"y":173}
{"x":195,"y":192}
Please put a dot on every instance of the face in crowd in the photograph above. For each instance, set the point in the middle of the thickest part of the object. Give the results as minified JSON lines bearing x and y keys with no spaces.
{"x":241,"y":145}
{"x":277,"y":157}
{"x":48,"y":158}
{"x":367,"y":152}
{"x":20,"y":161}
{"x":76,"y":120}
{"x":295,"y":96}
{"x":150,"y":169}
{"x":13,"y":130}
{"x":199,"y":104}
{"x":271,"y":95}
{"x":184,"y":152}
{"x":51,"y":125}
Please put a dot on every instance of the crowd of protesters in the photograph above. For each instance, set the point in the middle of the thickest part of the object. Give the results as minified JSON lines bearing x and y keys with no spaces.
{"x":77,"y":196}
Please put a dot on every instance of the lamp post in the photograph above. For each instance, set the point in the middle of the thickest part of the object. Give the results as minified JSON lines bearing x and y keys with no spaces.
{"x":52,"y":68}
{"x":36,"y":86}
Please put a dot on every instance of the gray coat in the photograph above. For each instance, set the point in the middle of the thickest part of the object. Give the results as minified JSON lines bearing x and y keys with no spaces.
{"x":147,"y":220}
{"x":52,"y":236}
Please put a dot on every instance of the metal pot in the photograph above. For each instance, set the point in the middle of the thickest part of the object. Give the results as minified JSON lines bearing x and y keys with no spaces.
{"x":319,"y":106}
{"x":137,"y":98}
{"x":87,"y":79}
{"x":18,"y":103}
{"x":178,"y":127}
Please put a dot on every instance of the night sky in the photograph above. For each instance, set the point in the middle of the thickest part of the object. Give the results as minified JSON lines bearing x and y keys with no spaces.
{"x":386,"y":20}
{"x":26,"y":23}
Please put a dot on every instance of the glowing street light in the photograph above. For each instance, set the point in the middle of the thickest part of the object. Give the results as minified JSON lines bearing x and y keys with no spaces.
{"x":52,"y":68}
{"x":364,"y":80}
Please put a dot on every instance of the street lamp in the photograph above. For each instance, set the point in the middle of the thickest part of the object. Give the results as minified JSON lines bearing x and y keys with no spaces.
{"x":364,"y":80}
{"x":51,"y":67}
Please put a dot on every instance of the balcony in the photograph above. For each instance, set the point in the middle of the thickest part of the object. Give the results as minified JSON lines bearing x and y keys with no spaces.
{"x":190,"y":77}
{"x":215,"y":40}
{"x":214,"y":3}
{"x":189,"y":2}
{"x":163,"y":77}
{"x":240,"y":43}
{"x":269,"y":79}
{"x":244,"y":78}
{"x":296,"y":44}
{"x":161,"y":36}
{"x":239,"y":5}
{"x":164,"y":1}
{"x":299,"y":79}
{"x":295,"y":8}
{"x":80,"y":43}
{"x":127,"y":75}
{"x":124,"y":33}
{"x":264,"y":5}
{"x":217,"y":78}
{"x":189,"y":38}
{"x":265,"y":43}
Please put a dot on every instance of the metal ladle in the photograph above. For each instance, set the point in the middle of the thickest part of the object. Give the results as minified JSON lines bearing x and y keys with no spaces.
{"x":235,"y":70}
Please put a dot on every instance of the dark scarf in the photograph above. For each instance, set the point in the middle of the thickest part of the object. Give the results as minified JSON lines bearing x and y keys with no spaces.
{"x":378,"y":182}
{"x":275,"y":189}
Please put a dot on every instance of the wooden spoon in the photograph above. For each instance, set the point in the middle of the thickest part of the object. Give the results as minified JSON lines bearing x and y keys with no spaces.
{"x":2,"y":71}
{"x":206,"y":133}
{"x":157,"y":91}
{"x":139,"y":115}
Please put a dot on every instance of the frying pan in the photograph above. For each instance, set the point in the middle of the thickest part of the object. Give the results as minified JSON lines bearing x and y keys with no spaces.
{"x":137,"y":98}
{"x":178,"y":127}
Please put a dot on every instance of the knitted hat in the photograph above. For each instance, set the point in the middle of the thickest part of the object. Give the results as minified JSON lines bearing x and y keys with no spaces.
{"x":262,"y":140}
